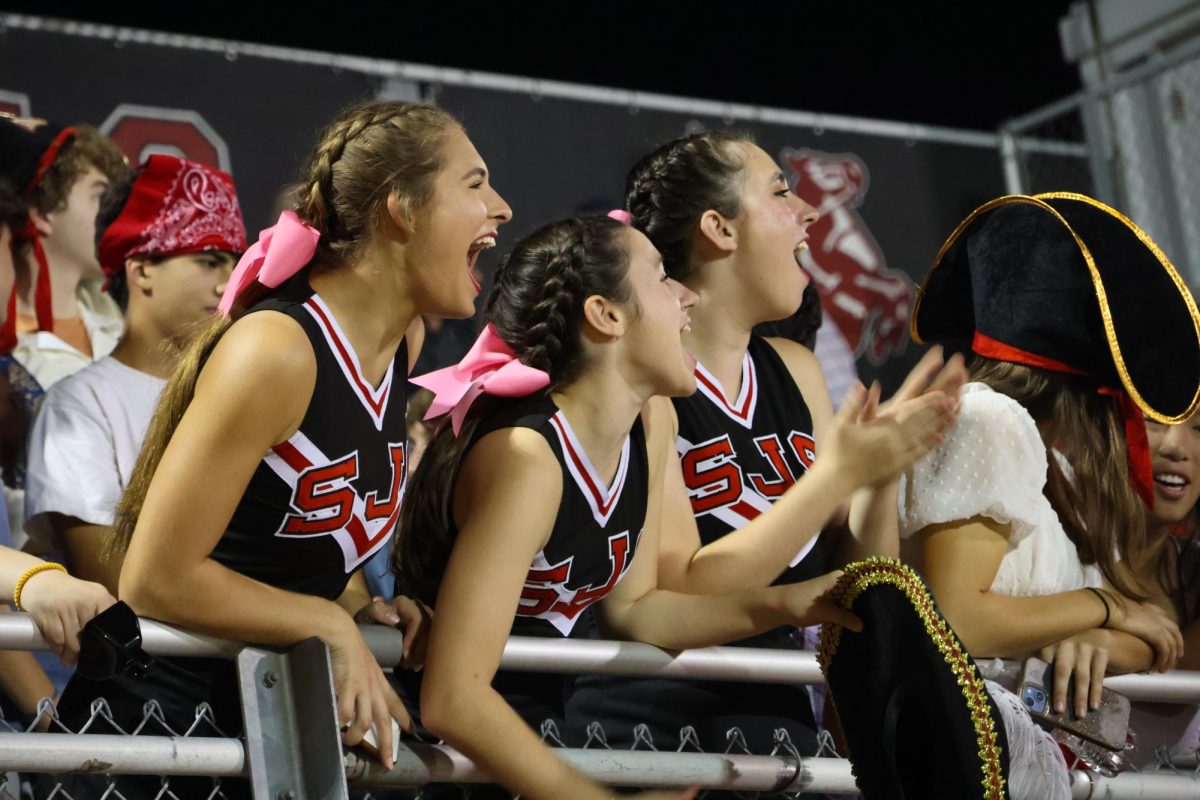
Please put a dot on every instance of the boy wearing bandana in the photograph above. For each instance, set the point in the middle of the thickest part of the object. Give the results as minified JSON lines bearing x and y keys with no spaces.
{"x":167,"y":244}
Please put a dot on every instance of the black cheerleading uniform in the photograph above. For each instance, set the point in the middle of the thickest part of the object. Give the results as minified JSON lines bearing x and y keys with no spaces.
{"x":591,"y":546}
{"x":737,"y":458}
{"x":316,"y":507}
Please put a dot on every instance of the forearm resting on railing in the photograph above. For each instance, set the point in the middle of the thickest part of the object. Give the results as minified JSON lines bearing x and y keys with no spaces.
{"x":994,"y":625}
{"x":212,"y":599}
{"x":676,"y":621}
{"x":474,"y":719}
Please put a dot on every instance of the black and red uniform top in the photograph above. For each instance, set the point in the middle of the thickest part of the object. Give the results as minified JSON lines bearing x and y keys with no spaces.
{"x":740,"y":455}
{"x":596,"y":530}
{"x":591,"y":546}
{"x":321,"y":503}
{"x":316,"y":507}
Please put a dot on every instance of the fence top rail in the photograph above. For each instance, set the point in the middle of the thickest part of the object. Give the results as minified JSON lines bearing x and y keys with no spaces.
{"x":1123,"y":80}
{"x":595,"y":656}
{"x":536,"y":87}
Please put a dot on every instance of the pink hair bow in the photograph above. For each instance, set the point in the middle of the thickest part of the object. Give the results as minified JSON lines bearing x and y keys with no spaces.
{"x":281,"y":251}
{"x":490,"y":367}
{"x":621,"y":215}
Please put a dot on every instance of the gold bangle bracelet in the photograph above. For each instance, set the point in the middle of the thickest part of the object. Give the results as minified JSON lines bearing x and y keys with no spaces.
{"x":29,"y":573}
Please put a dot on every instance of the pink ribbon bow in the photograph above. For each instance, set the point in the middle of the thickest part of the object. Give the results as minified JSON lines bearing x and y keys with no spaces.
{"x":280,"y":252}
{"x":490,"y":367}
{"x":621,"y":215}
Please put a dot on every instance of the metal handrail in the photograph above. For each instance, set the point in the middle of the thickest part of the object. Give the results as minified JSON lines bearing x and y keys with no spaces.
{"x":601,"y":657}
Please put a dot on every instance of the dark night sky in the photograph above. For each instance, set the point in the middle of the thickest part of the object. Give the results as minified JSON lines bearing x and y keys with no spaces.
{"x":962,"y":64}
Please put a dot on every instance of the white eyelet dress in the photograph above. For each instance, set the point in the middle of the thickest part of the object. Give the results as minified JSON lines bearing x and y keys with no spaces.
{"x":993,"y":464}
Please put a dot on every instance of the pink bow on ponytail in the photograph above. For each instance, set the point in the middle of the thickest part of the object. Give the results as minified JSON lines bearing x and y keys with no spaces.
{"x":280,"y":252}
{"x":621,"y":215}
{"x":490,"y":367}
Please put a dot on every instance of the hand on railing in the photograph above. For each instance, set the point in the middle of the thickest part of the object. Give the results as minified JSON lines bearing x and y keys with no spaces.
{"x":366,"y":700}
{"x":1083,"y":656}
{"x":61,"y":606}
{"x":409,"y":616}
{"x":1149,"y":623}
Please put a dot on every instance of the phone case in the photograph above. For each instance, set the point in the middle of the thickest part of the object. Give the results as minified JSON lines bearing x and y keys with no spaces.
{"x":369,"y":743}
{"x":1106,"y":726}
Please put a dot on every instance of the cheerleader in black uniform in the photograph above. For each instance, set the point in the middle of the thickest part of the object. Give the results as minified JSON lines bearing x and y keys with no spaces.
{"x":719,"y":210}
{"x":527,"y":512}
{"x":307,"y":365}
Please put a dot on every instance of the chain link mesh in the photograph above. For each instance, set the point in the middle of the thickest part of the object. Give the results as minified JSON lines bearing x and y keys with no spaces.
{"x":1136,"y":147}
{"x":100,"y":720}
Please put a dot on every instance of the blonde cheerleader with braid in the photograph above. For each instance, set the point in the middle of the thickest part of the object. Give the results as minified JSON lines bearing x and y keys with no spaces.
{"x":275,"y":463}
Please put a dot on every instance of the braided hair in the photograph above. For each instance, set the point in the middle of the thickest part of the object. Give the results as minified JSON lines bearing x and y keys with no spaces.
{"x":668,"y":191}
{"x":536,"y":305}
{"x":369,"y":152}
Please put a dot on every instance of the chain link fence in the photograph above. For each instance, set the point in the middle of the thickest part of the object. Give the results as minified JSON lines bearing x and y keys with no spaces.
{"x":1132,"y":142}
{"x":291,"y":750}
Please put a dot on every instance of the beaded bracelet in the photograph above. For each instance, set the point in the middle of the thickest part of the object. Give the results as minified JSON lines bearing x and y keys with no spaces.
{"x":29,"y":573}
{"x":1104,"y":600}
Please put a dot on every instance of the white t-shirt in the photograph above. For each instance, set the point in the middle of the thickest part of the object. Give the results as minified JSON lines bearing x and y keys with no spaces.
{"x":85,"y":442}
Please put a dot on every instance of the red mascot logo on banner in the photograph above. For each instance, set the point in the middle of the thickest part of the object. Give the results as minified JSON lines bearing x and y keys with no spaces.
{"x":869,"y":302}
{"x":142,"y":130}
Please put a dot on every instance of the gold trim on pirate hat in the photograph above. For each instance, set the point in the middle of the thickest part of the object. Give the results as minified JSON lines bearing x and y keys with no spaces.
{"x":1064,"y":282}
{"x":918,"y":720}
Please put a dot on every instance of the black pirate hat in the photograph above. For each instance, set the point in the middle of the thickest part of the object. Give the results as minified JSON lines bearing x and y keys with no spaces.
{"x":27,"y":149}
{"x":917,"y":718}
{"x":1063,"y":282}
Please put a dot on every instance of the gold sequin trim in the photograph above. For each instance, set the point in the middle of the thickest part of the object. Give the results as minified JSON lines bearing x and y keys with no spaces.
{"x":1101,"y":295}
{"x":877,"y":571}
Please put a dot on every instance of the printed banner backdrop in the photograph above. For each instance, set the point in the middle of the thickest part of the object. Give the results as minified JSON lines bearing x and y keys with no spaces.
{"x":887,"y":204}
{"x":254,"y":117}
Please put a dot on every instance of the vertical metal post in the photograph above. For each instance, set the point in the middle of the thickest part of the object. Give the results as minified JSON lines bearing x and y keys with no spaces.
{"x":1165,"y":178}
{"x":1102,"y":153}
{"x":293,"y":747}
{"x":1015,"y":181}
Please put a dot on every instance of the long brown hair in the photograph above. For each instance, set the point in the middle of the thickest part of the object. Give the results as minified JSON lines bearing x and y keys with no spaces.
{"x":370,"y":152}
{"x":1098,"y":508}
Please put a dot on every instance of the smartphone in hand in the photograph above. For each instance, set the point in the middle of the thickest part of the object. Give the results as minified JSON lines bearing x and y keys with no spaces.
{"x":1106,"y":726}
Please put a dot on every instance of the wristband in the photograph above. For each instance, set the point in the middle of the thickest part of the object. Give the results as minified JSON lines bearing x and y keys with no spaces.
{"x":29,"y":573}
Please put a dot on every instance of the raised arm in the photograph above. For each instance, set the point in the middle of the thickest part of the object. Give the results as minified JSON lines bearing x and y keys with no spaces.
{"x":640,"y":608}
{"x":854,"y":454}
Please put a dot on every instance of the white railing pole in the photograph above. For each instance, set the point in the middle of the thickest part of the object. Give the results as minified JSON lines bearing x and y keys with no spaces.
{"x":425,"y":763}
{"x":1134,"y":786}
{"x":602,"y":657}
{"x":120,"y":755}
{"x":1178,"y":686}
{"x":17,"y":632}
